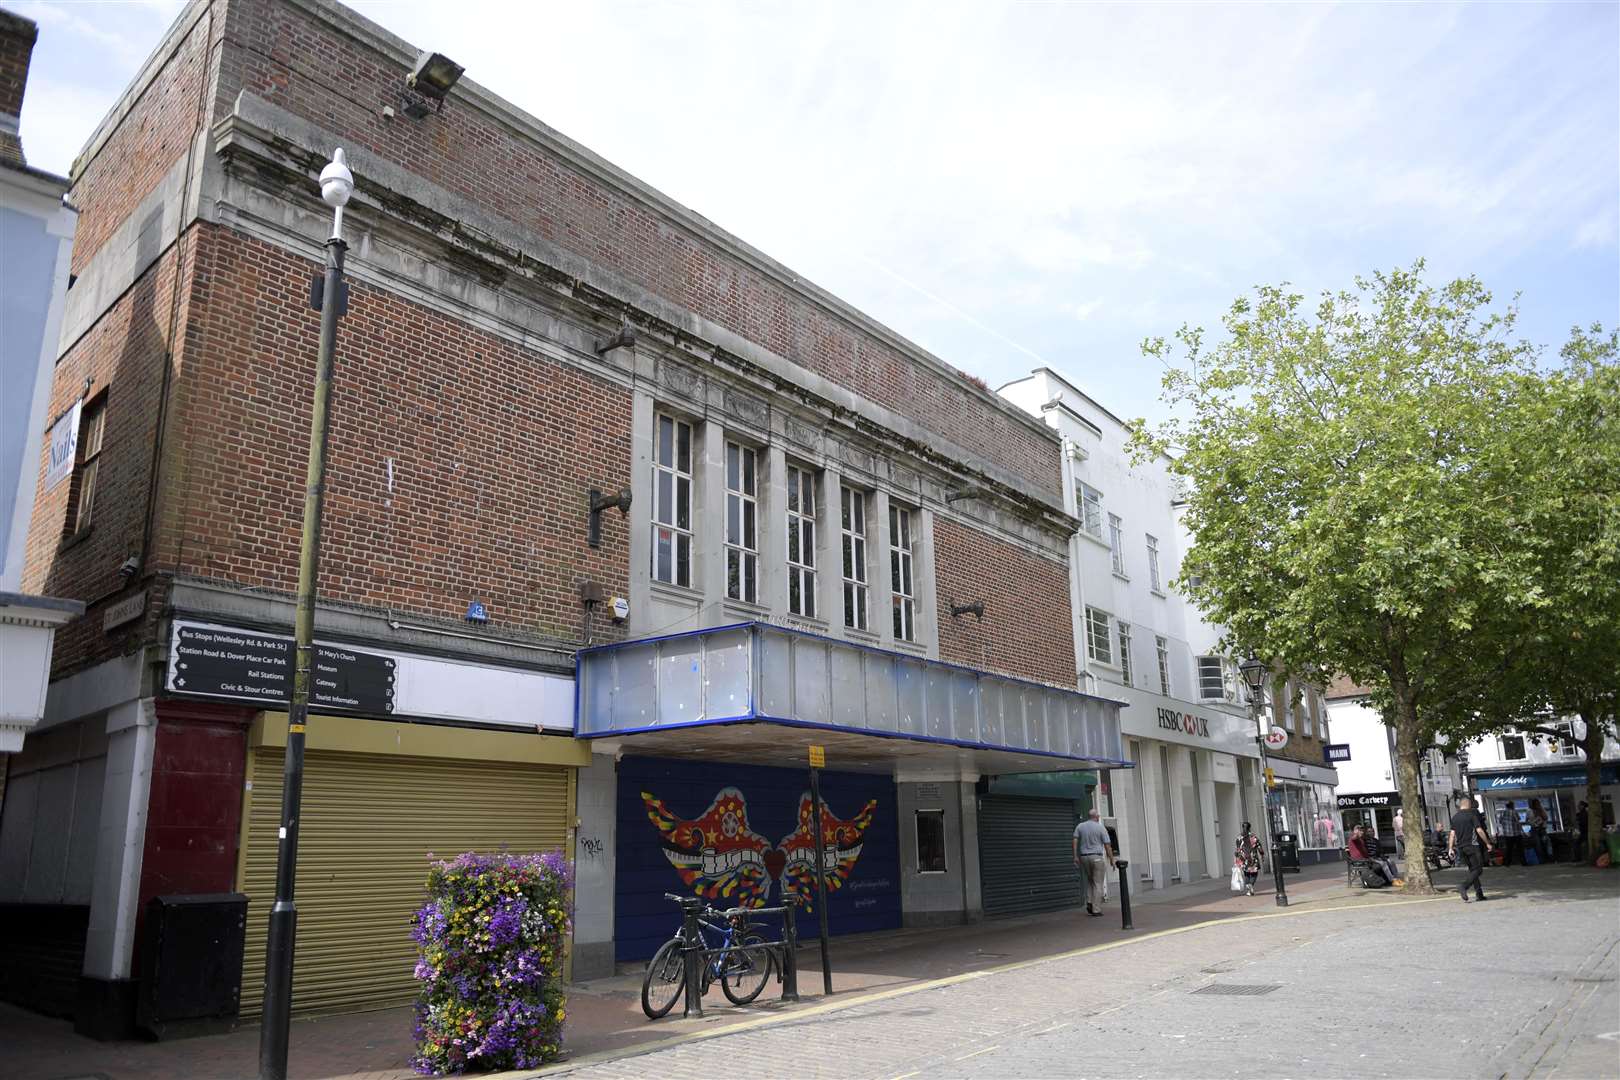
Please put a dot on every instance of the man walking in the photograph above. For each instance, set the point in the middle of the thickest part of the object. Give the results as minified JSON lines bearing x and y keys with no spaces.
{"x":1468,"y":839}
{"x":1091,"y":849}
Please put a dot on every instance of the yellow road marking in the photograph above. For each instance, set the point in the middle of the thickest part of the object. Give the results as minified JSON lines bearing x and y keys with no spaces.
{"x":950,"y":980}
{"x":909,"y":1075}
{"x":976,"y":1053}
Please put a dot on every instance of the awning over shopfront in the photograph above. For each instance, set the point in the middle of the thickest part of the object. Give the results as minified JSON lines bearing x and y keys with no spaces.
{"x":763,"y":694}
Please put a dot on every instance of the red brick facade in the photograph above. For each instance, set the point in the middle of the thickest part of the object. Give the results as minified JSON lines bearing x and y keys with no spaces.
{"x":17,"y":36}
{"x":1027,"y":627}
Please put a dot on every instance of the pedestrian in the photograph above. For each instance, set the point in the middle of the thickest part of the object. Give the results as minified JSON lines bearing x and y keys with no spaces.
{"x":1538,"y":832}
{"x":1091,"y":850}
{"x":1400,"y":836}
{"x":1247,"y":857}
{"x":1467,"y":838}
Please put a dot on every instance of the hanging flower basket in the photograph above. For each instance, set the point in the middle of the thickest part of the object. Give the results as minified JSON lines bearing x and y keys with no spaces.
{"x":490,"y":945}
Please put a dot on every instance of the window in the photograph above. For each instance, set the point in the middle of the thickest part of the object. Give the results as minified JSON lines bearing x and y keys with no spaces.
{"x":672,"y":502}
{"x":1163,"y":648}
{"x":1125,"y":651}
{"x":82,"y":494}
{"x":1565,"y":745}
{"x":742,"y":523}
{"x":1154,"y":581}
{"x":1116,"y":543}
{"x":900,"y":583}
{"x":930,"y":841}
{"x":1284,"y":703}
{"x":1098,"y":645}
{"x":1211,"y":678}
{"x":1091,"y":510}
{"x":1308,"y":712}
{"x":852,"y":520}
{"x":801,"y":541}
{"x":1512,"y":747}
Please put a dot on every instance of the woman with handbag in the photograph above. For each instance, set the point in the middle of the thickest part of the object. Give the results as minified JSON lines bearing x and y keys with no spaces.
{"x":1247,"y":859}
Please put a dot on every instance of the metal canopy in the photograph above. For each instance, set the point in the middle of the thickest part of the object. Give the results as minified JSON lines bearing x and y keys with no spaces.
{"x":757,"y":693}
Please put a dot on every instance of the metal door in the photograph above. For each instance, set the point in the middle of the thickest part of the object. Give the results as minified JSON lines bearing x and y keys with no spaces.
{"x":1026,"y":860}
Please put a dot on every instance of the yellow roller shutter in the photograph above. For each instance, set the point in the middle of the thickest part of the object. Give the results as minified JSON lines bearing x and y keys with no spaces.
{"x":370,"y":822}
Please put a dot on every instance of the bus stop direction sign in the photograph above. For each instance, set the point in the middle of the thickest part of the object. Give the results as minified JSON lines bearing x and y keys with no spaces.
{"x":247,"y":666}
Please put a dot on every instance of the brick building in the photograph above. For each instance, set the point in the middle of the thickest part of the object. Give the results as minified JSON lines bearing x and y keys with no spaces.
{"x":814,"y":506}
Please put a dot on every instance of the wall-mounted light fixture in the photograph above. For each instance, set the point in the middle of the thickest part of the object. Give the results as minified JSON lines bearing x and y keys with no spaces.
{"x":600,"y":502}
{"x":964,"y":493}
{"x":976,"y":609}
{"x":624,"y":339}
{"x":433,"y":77}
{"x":130,"y":567}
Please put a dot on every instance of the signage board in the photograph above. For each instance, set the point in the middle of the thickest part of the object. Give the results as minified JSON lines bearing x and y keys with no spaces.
{"x":246,"y":665}
{"x":126,"y":610}
{"x":818,"y":757}
{"x":1369,"y":799}
{"x":64,"y":445}
{"x":1532,"y":779}
{"x":1332,"y":752}
{"x":1276,"y":738}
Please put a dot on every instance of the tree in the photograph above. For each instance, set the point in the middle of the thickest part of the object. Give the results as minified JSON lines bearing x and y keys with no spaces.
{"x":1566,"y":659}
{"x":1352,"y":474}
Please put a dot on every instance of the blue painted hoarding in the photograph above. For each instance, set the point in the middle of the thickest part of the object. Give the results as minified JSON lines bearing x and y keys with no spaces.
{"x":741,"y":835}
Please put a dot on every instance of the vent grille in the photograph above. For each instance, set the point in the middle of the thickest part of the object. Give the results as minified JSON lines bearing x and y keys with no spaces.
{"x":1233,"y":990}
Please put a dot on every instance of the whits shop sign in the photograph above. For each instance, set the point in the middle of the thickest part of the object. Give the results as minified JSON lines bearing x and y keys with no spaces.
{"x":1171,"y":720}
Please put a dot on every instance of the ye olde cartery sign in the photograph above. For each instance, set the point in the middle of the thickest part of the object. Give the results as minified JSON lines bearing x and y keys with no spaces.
{"x":247,"y":666}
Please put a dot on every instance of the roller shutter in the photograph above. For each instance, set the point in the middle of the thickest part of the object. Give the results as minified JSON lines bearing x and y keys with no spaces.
{"x":1026,"y":862}
{"x":370,"y":823}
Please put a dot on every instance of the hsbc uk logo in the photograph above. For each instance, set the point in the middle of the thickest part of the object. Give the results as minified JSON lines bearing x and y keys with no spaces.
{"x":1171,"y":720}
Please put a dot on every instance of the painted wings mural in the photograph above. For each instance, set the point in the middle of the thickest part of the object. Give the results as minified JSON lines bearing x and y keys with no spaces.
{"x":719,"y":857}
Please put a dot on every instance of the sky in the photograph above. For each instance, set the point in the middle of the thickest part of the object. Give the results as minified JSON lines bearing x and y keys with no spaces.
{"x":1012,"y":185}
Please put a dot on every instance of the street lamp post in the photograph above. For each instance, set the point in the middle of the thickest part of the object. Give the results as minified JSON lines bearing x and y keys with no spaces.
{"x":1254,"y":673}
{"x":337,"y":184}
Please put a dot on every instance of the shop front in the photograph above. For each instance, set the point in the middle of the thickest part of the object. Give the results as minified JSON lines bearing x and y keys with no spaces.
{"x":1373,"y":810}
{"x":1506,"y":799}
{"x":1303,"y":804}
{"x":1179,"y":813}
{"x":699,"y":784}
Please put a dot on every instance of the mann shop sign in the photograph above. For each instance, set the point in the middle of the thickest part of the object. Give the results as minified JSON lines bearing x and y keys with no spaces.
{"x":1184,"y":722}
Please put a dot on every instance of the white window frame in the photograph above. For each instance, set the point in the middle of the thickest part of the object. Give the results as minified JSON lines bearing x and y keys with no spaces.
{"x":1116,"y":542}
{"x":1090,"y":500}
{"x":852,"y":516}
{"x":801,"y":540}
{"x":742,"y":522}
{"x":1124,"y":629}
{"x":1567,"y":746}
{"x":1220,"y":679}
{"x":902,"y":580}
{"x":669,"y":524}
{"x":1501,"y":746}
{"x":1155,"y":581}
{"x":1098,"y":622}
{"x":1162,"y":647}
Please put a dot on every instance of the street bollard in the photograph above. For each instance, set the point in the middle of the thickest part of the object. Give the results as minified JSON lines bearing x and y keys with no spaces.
{"x":790,"y":950}
{"x":1124,"y":895}
{"x":692,"y":957}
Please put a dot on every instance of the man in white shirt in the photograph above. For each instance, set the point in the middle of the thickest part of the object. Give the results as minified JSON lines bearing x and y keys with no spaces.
{"x":1091,"y":849}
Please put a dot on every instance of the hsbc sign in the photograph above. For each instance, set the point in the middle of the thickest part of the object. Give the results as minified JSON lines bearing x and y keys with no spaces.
{"x":1186,"y":722}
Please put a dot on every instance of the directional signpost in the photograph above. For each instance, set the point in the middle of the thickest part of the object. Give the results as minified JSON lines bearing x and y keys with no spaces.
{"x":243,"y":665}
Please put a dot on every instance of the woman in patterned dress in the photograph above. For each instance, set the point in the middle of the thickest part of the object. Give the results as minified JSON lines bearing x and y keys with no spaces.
{"x":1248,"y":858}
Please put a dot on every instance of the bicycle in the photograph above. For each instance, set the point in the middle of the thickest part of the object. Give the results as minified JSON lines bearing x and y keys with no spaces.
{"x":741,"y":962}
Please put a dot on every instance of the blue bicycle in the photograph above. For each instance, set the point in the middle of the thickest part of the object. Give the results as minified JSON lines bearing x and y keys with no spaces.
{"x":735,"y":954}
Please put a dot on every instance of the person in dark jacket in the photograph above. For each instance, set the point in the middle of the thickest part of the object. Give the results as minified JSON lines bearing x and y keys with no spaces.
{"x":1467,"y":841}
{"x":1247,"y":857}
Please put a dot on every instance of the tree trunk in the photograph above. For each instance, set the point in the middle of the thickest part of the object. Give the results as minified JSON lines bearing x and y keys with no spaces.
{"x":1592,"y":746}
{"x":1408,"y":783}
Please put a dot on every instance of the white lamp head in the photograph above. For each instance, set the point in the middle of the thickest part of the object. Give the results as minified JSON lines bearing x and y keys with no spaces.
{"x":337,"y":182}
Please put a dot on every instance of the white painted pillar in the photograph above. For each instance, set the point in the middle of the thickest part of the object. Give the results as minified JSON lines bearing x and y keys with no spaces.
{"x":115,"y":890}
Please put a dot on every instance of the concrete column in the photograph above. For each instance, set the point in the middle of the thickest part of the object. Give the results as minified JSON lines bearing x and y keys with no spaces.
{"x":595,"y":840}
{"x":922,"y":571}
{"x":882,"y":597}
{"x":106,"y":994}
{"x":829,"y":552}
{"x":773,"y":590}
{"x":709,"y":518}
{"x":972,"y":885}
{"x":641,"y":509}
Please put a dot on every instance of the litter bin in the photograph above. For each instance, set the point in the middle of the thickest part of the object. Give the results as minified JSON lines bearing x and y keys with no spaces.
{"x":1612,"y":840}
{"x":1288,"y":851}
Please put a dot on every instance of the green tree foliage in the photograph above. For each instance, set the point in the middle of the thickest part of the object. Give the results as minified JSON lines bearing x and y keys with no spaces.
{"x":1354,"y":476}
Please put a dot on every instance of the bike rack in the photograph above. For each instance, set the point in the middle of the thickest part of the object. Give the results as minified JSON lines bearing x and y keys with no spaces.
{"x":696,"y":954}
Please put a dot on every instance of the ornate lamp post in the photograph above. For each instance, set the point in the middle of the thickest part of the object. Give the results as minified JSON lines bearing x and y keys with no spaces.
{"x":337,"y":184}
{"x":1255,"y":672}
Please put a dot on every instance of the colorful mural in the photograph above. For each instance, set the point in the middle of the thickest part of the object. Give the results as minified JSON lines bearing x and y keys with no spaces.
{"x":726,"y":851}
{"x":721,"y":858}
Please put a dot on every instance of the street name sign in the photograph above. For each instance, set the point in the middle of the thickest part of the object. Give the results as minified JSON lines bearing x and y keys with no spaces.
{"x":245,"y":665}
